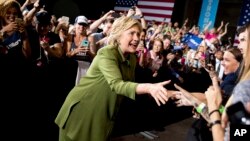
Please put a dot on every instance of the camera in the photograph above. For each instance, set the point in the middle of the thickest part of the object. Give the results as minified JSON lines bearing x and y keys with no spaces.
{"x":238,"y":115}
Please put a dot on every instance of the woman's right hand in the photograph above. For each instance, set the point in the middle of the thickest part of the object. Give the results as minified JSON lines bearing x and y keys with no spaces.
{"x":10,"y":27}
{"x":79,"y":49}
{"x":181,"y":100}
{"x":159,"y":92}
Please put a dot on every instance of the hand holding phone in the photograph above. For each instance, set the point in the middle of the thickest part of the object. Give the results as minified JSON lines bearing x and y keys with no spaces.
{"x":85,"y":46}
{"x":19,"y":21}
{"x":20,"y":24}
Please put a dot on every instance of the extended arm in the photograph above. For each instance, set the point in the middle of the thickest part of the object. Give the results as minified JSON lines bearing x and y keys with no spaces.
{"x":112,"y":73}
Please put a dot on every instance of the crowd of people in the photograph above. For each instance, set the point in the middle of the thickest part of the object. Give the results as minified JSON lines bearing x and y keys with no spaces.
{"x":71,"y":81}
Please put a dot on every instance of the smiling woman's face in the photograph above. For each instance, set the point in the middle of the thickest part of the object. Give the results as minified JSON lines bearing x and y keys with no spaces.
{"x":129,"y":40}
{"x":157,"y":46}
{"x":11,"y":15}
{"x":229,"y":63}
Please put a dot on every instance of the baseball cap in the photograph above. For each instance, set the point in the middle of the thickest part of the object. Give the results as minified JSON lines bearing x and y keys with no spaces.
{"x":43,"y":18}
{"x":81,"y":20}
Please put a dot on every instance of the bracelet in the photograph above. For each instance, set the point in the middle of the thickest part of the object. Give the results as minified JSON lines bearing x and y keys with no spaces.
{"x":141,"y":16}
{"x":222,"y":108}
{"x":213,"y":112}
{"x":214,"y":123}
{"x":200,"y":107}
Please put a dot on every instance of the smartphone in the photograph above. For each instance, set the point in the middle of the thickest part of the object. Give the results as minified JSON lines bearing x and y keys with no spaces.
{"x":236,"y":112}
{"x":19,"y":21}
{"x":85,"y":43}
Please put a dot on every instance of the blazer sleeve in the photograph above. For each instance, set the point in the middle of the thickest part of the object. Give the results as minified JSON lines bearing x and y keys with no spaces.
{"x":109,"y":67}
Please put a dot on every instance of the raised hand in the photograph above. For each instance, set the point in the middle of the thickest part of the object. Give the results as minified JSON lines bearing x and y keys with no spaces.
{"x":138,"y":11}
{"x":213,"y":94}
{"x":131,"y":12}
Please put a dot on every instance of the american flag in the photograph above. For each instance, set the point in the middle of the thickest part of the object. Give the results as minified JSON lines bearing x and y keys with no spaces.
{"x":244,"y":17}
{"x":156,"y":10}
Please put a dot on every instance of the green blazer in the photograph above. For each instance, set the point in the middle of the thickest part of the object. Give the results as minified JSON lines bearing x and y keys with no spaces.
{"x":90,"y":108}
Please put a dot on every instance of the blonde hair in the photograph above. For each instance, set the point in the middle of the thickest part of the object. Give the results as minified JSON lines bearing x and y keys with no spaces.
{"x":119,"y":26}
{"x":246,"y":71}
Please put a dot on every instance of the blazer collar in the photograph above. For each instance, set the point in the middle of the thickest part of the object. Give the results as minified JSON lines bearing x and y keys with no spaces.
{"x":123,"y":59}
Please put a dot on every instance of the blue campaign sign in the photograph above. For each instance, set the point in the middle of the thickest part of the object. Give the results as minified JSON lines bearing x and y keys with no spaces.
{"x":191,"y":40}
{"x":208,"y":13}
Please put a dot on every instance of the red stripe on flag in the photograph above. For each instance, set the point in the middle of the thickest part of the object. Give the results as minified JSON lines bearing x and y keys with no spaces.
{"x":236,"y":41}
{"x":157,"y":15}
{"x":155,"y":7}
{"x":152,"y":9}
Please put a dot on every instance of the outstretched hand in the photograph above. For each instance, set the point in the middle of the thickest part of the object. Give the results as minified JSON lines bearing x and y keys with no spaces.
{"x":182,"y":96}
{"x":183,"y":91}
{"x":181,"y":100}
{"x":159,"y":92}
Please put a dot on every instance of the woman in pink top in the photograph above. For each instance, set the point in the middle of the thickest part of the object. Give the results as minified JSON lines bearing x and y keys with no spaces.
{"x":154,"y":56}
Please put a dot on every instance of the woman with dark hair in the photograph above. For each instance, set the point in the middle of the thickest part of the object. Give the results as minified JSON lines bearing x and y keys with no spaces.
{"x":12,"y":31}
{"x":241,"y":92}
{"x":17,"y":103}
{"x":231,"y":62}
{"x":232,"y":59}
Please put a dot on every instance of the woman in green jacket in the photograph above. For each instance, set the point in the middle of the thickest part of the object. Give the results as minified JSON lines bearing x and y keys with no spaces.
{"x":89,"y":110}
